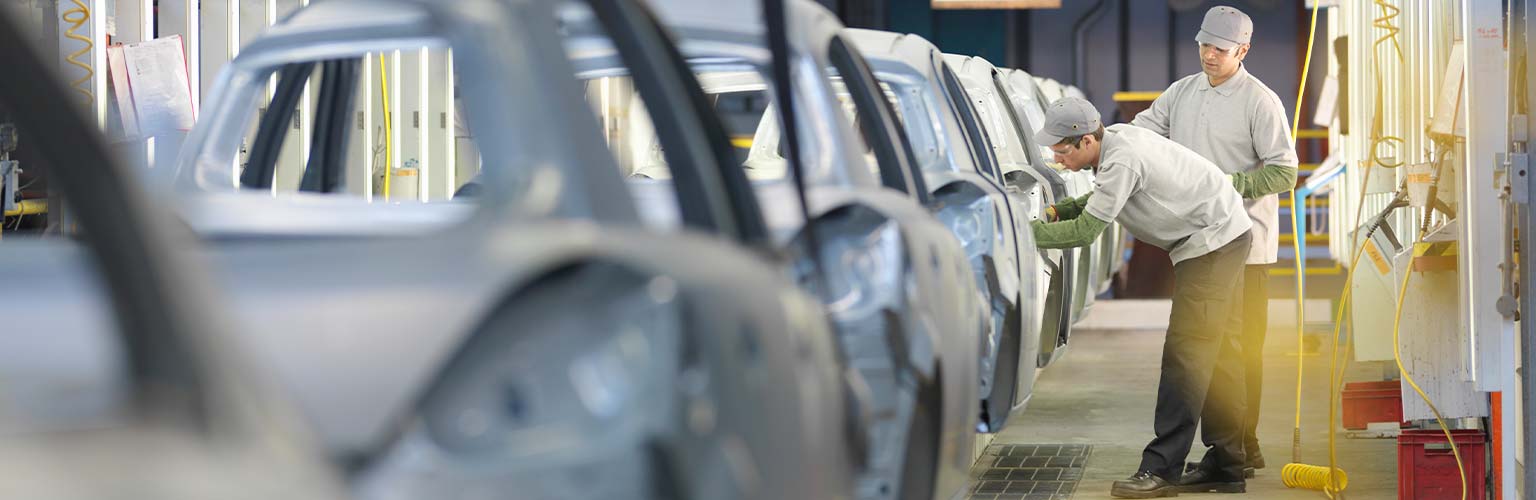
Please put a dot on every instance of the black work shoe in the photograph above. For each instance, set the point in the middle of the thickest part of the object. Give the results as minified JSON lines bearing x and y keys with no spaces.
{"x":1206,"y":481}
{"x":1143,"y":484}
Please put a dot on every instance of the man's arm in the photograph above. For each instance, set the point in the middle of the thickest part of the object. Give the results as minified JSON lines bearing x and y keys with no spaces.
{"x":1267,"y":180}
{"x":1115,"y":183}
{"x":1271,"y":131}
{"x":1068,"y":209}
{"x":1078,"y":232}
{"x":1155,"y":117}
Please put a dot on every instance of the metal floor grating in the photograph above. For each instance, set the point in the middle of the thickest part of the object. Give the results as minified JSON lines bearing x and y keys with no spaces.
{"x":1029,"y":471}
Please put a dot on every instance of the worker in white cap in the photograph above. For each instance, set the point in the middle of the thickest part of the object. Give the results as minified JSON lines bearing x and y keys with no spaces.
{"x":1231,"y":118}
{"x":1169,"y":196}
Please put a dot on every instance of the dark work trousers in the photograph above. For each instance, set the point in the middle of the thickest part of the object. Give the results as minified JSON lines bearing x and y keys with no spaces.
{"x":1255,"y":325}
{"x":1202,"y":372}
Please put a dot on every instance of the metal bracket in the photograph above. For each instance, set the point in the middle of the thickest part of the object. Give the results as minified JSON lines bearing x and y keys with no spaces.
{"x":1519,"y":177}
{"x":9,"y":175}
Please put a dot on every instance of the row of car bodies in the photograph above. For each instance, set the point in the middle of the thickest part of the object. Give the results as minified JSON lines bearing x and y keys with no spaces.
{"x":681,"y":315}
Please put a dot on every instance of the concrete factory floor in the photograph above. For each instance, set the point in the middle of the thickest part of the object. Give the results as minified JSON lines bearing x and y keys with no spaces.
{"x":1102,"y":394}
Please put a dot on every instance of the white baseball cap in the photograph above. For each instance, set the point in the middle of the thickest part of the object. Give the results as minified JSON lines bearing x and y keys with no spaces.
{"x":1067,"y":117}
{"x":1225,"y":27}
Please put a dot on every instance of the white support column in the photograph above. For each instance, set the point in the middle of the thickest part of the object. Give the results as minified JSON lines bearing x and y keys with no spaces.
{"x":180,"y":17}
{"x":439,"y":125}
{"x":1480,"y":252}
{"x":466,"y":156}
{"x":398,"y":121}
{"x":1481,"y":215}
{"x":1526,"y":426}
{"x":423,"y":121}
{"x":408,"y":92}
{"x":135,"y":20}
{"x":360,"y":143}
{"x":295,"y":150}
{"x":220,"y":38}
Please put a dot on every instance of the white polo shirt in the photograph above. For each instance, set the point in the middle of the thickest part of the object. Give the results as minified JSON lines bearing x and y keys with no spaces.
{"x":1240,"y":126}
{"x":1165,"y":194}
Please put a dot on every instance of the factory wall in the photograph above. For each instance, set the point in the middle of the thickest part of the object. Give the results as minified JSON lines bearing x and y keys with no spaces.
{"x":1040,"y":41}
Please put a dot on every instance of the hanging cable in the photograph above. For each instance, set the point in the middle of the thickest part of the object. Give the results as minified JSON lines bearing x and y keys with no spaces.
{"x":1378,"y":139}
{"x":1297,"y":235}
{"x":1402,"y":294}
{"x":77,"y":17}
{"x":388,"y":135}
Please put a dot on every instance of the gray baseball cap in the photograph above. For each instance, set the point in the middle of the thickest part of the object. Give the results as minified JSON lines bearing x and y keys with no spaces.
{"x":1067,"y":117}
{"x":1225,"y":27}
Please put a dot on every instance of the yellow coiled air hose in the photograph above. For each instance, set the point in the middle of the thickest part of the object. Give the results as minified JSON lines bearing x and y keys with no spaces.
{"x":77,"y":17}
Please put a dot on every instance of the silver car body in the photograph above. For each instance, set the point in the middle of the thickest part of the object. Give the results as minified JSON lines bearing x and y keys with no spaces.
{"x":121,"y":374}
{"x":1003,"y":259}
{"x":1110,"y":250}
{"x":1011,"y":135}
{"x":517,"y":343}
{"x":925,"y":300}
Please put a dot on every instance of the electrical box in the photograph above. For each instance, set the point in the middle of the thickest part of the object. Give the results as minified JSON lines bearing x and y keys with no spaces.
{"x":1434,"y":349}
{"x":1373,"y":292}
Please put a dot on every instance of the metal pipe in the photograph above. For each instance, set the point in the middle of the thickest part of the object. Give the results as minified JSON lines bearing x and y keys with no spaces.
{"x":28,"y":207}
{"x":1526,"y":26}
{"x":1079,"y":42}
{"x":1173,"y":56}
{"x":1018,"y":55}
{"x":1125,"y":46}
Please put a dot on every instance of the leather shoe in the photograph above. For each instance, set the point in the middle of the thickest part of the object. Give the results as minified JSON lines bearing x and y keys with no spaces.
{"x":1207,"y":481}
{"x":1143,"y":484}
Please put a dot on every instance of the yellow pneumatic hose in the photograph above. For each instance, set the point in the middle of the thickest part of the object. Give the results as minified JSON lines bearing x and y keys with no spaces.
{"x":1313,"y":477}
{"x":1297,"y":235}
{"x":388,"y":160}
{"x":1397,"y":355}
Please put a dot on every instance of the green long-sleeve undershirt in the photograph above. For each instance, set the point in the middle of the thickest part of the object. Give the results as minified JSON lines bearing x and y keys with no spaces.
{"x":1078,"y":232}
{"x":1269,"y":179}
{"x":1076,"y":228}
{"x":1070,"y":208}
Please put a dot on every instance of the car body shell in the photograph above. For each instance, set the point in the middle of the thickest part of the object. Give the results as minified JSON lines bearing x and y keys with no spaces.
{"x":911,"y":66}
{"x":937,"y":316}
{"x":379,"y":301}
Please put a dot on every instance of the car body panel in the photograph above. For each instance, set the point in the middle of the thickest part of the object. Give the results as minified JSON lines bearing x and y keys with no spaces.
{"x":938,"y":316}
{"x":910,"y":66}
